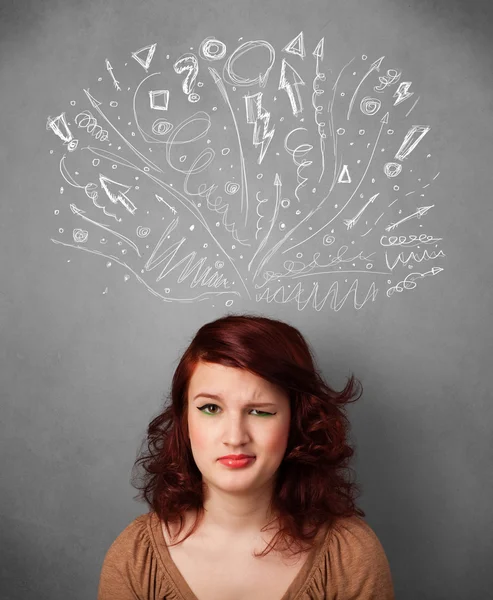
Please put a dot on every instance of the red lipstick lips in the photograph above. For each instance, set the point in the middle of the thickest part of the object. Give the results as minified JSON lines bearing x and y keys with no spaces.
{"x":236,"y":456}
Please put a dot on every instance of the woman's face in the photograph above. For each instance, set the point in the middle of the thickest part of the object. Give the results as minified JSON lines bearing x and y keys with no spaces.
{"x":227,"y":415}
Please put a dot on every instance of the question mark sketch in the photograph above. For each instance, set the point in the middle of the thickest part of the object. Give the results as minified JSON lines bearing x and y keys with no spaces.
{"x":188,"y":62}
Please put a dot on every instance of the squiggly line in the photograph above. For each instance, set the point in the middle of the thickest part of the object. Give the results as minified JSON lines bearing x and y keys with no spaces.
{"x":296,"y":269}
{"x":205,"y":296}
{"x":413,"y":240}
{"x":259,"y":202}
{"x":409,"y":282}
{"x":300,"y":151}
{"x":413,"y":256}
{"x":278,"y":185}
{"x":318,"y":108}
{"x":216,"y":205}
{"x":279,"y":296}
{"x":88,"y":122}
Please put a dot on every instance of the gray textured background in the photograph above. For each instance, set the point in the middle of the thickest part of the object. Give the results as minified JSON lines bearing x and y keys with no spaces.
{"x":82,"y":372}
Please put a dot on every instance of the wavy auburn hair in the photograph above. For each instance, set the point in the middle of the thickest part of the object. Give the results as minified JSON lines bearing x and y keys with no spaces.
{"x":313,"y":483}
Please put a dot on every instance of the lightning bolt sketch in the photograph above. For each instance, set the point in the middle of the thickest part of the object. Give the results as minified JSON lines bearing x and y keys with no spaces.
{"x":256,"y":114}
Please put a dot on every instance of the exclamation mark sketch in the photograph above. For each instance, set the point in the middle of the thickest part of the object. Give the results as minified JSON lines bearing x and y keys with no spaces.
{"x":412,"y":139}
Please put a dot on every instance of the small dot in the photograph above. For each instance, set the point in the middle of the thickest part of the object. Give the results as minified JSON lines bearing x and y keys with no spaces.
{"x":100,"y":79}
{"x":361,"y":131}
{"x":72,"y":103}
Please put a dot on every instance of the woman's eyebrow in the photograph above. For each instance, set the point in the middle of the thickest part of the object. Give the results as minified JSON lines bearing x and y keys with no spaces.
{"x":217,"y":397}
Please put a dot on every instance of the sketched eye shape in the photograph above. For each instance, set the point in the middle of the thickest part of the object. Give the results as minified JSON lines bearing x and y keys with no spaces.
{"x":161,"y":127}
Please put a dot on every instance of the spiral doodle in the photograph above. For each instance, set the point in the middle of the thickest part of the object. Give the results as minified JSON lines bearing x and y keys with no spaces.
{"x":80,"y":235}
{"x":370,"y":106}
{"x":143,"y":232}
{"x":392,"y":169}
{"x":231,"y":187}
{"x":212,"y":49}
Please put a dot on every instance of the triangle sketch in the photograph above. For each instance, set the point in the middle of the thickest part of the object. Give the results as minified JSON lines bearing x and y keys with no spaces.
{"x":344,"y":176}
{"x":150,"y":53}
{"x":296,"y":46}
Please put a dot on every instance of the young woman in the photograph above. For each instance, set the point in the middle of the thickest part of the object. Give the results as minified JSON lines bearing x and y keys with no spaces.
{"x":251,"y":460}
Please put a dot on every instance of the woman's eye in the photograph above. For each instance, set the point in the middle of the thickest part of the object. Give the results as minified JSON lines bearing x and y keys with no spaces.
{"x":201,"y":408}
